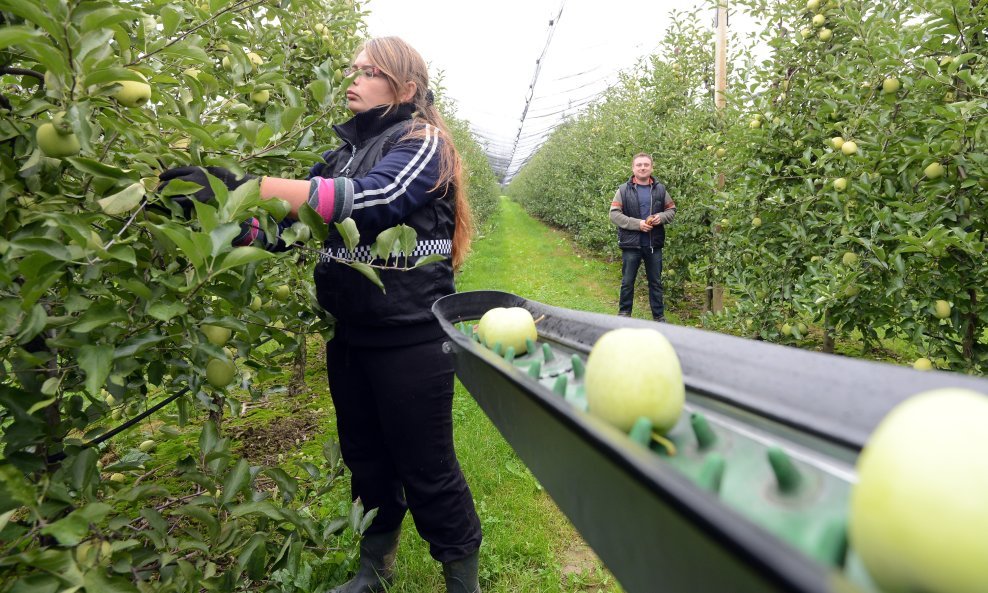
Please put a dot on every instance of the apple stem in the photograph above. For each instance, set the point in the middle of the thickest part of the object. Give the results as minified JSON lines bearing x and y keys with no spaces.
{"x":541,"y":317}
{"x":665,"y":443}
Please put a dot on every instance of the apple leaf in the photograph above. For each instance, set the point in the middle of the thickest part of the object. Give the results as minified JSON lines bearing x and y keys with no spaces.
{"x":96,"y":360}
{"x":369,"y":272}
{"x":407,"y":239}
{"x":429,"y":259}
{"x":73,"y":528}
{"x":317,"y":226}
{"x":387,"y":244}
{"x":241,"y":256}
{"x":124,"y":200}
{"x":348,"y":231}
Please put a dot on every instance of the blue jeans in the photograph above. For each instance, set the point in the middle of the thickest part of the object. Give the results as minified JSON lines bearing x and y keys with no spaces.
{"x":631,"y":260}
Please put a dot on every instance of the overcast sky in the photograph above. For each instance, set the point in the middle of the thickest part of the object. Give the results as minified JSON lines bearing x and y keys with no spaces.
{"x":488,"y":51}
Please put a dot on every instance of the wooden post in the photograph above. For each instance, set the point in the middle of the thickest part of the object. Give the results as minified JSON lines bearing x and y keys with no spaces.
{"x":715,"y":292}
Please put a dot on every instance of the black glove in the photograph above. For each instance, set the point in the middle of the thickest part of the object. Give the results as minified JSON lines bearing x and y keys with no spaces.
{"x":198,"y":175}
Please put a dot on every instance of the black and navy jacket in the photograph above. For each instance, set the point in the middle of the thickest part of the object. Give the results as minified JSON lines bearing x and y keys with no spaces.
{"x":381,"y":178}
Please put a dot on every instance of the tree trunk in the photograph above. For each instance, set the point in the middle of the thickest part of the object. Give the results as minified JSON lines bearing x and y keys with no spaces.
{"x":971,"y":330}
{"x":828,"y":334}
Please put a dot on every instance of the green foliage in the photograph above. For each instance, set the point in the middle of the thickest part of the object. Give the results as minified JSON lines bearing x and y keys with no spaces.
{"x":917,"y":236}
{"x":104,"y":286}
{"x":483,"y":190}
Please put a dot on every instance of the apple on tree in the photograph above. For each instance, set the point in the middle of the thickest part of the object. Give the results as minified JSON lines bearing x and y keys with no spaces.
{"x":620,"y":394}
{"x":934,"y":171}
{"x":941,"y":309}
{"x":55,"y":143}
{"x":131,"y":93}
{"x":849,"y":147}
{"x":220,"y":372}
{"x":923,"y":364}
{"x":510,"y":327}
{"x":918,"y":516}
{"x":890,"y":85}
{"x":825,"y":34}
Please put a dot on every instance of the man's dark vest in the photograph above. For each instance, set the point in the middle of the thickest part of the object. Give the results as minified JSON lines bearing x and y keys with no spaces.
{"x":630,"y":207}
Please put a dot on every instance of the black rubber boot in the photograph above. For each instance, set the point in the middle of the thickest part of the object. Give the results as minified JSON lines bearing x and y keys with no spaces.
{"x":461,"y":575}
{"x":377,"y":564}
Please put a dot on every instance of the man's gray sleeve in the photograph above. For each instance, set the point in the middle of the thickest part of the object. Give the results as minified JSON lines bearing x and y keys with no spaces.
{"x":618,"y":217}
{"x":669,"y":210}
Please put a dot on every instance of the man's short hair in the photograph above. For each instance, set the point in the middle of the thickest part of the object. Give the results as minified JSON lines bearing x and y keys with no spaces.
{"x":640,"y":155}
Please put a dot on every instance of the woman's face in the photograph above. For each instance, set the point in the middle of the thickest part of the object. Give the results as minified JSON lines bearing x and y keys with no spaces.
{"x":369,"y":89}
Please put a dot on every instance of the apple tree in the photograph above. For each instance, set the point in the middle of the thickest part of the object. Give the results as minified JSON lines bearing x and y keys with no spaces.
{"x":114,"y":303}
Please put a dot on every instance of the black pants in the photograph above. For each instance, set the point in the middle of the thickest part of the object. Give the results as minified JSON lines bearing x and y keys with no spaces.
{"x":631,"y":260}
{"x":394,"y":408}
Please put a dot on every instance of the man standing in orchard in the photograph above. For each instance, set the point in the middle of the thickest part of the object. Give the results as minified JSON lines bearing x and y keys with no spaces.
{"x":641,"y":209}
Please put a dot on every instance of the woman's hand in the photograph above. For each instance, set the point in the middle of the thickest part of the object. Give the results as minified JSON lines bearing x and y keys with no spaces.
{"x":197,"y":175}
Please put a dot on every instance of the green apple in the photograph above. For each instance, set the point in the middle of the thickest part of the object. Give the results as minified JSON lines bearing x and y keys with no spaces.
{"x":806,"y":32}
{"x":923,"y":364}
{"x":813,"y":5}
{"x":848,"y":148}
{"x":840,"y":184}
{"x":147,"y":445}
{"x":131,"y":93}
{"x":849,"y":258}
{"x":837,"y":142}
{"x":220,"y":372}
{"x":55,"y":144}
{"x":802,"y":328}
{"x":756,"y":222}
{"x":227,"y":63}
{"x":755,"y":124}
{"x":193,"y":72}
{"x":852,"y":290}
{"x":321,"y":29}
{"x":786,"y":329}
{"x":255,"y":59}
{"x":825,"y":34}
{"x":511,"y":327}
{"x":934,"y":171}
{"x":118,"y":478}
{"x":918,"y":516}
{"x":721,"y":152}
{"x":890,"y":85}
{"x":282,"y":292}
{"x":260,"y":97}
{"x":819,"y":20}
{"x":941,"y":309}
{"x":619,"y":394}
{"x":256,"y":303}
{"x":215,"y":334}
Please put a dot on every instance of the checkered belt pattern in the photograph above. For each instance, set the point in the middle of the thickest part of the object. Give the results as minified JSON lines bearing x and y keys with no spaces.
{"x":362,"y":252}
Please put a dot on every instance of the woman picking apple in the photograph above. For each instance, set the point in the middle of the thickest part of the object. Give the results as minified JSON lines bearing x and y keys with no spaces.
{"x":391,"y":383}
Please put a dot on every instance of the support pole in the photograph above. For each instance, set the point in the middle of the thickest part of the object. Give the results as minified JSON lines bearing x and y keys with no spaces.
{"x":715,"y":292}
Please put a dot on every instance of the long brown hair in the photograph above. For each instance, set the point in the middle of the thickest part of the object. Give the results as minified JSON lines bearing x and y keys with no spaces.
{"x":401,"y":63}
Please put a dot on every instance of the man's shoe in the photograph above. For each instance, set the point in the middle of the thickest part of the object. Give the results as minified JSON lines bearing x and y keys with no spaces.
{"x":461,"y":575}
{"x":660,"y":319}
{"x":377,"y":564}
{"x":623,"y":314}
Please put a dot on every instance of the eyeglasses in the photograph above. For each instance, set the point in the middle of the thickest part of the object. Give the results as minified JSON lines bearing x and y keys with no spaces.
{"x":366,"y":71}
